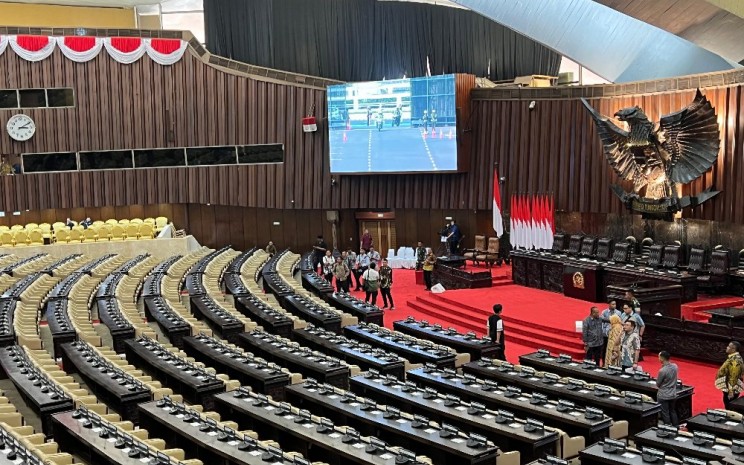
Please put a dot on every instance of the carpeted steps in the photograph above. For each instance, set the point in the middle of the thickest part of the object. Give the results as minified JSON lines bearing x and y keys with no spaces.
{"x":444,"y":310}
{"x":501,"y":281}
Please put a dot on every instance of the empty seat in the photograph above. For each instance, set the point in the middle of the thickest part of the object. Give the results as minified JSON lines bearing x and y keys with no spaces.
{"x":588,"y":246}
{"x":136,"y":220}
{"x":118,"y":233}
{"x":717,"y":276}
{"x":160,"y":223}
{"x":36,"y":237}
{"x":62,"y":235}
{"x":697,"y":261}
{"x":621,"y":253}
{"x":146,"y":231}
{"x":89,"y":235}
{"x":478,"y":249}
{"x":76,"y":235}
{"x":111,"y":221}
{"x":6,"y":239}
{"x":604,"y":249}
{"x":132,"y":231}
{"x":655,"y":254}
{"x":672,"y":256}
{"x":46,"y":230}
{"x":31,"y":226}
{"x":560,"y":242}
{"x":574,"y":245}
{"x":491,"y":254}
{"x":16,"y":227}
{"x":20,"y":238}
{"x":646,"y":244}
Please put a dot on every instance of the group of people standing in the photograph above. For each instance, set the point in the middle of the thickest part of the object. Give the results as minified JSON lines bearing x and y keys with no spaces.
{"x":372,"y":273}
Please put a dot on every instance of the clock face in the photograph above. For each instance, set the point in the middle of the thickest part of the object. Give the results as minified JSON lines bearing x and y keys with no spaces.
{"x":21,"y":127}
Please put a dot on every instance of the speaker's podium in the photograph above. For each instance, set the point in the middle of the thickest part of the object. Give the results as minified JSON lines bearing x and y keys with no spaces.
{"x":419,"y":276}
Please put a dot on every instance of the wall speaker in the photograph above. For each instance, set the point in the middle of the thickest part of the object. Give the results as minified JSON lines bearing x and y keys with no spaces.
{"x":332,"y":216}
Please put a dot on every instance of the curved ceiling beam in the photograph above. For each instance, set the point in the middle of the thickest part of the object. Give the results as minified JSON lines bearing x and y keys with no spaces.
{"x":611,"y":44}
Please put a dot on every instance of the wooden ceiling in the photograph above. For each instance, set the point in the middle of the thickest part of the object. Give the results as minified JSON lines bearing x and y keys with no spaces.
{"x":700,"y":22}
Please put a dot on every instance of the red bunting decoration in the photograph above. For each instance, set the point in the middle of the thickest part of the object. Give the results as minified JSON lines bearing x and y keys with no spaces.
{"x":82,"y":48}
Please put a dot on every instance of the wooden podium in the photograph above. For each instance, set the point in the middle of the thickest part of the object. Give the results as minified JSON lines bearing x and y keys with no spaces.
{"x":654,"y":298}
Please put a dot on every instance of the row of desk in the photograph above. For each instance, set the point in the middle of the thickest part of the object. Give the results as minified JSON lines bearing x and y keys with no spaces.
{"x":588,"y":279}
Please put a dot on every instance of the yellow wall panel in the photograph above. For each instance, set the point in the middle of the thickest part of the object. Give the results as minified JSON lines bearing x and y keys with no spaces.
{"x":33,"y":15}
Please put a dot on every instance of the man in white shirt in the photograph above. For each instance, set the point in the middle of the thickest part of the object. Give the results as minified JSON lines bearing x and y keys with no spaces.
{"x":371,"y":283}
{"x":374,"y":256}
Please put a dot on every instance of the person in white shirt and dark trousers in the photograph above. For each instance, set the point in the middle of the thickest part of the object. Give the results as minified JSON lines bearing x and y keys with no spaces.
{"x":371,"y":283}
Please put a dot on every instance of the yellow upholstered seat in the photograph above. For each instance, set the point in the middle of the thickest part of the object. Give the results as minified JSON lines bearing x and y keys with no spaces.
{"x":58,"y":225}
{"x":160,"y":223}
{"x":124,"y":222}
{"x":111,"y":221}
{"x":97,"y":223}
{"x":136,"y":220}
{"x":6,"y":239}
{"x":104,"y":232}
{"x":4,"y":228}
{"x":76,"y":235}
{"x":31,"y":226}
{"x":89,"y":235}
{"x":46,"y":230}
{"x":62,"y":235}
{"x":146,"y":231}
{"x":149,"y":220}
{"x":36,"y":237}
{"x":20,"y":238}
{"x":117,"y":233}
{"x":132,"y":231}
{"x":16,"y":227}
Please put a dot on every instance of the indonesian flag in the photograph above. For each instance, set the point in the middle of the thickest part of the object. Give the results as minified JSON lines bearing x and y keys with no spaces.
{"x":512,"y":222}
{"x":498,"y":221}
{"x":518,"y":221}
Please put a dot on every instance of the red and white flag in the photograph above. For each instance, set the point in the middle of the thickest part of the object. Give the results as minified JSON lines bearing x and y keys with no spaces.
{"x":512,"y":222}
{"x":498,"y":221}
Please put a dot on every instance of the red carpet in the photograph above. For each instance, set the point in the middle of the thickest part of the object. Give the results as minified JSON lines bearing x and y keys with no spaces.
{"x":533,"y":319}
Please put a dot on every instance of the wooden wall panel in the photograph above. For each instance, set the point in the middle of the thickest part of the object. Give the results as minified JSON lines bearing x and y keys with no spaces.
{"x":552,"y":148}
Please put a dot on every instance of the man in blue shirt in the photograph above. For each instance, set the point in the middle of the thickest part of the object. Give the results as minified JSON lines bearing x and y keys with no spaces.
{"x":454,"y":237}
{"x":592,"y":335}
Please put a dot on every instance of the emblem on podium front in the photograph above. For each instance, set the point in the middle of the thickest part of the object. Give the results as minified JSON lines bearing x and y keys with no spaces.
{"x":578,"y":280}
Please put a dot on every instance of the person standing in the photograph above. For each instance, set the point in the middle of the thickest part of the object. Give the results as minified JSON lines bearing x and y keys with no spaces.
{"x":429,"y":263}
{"x":349,"y":258}
{"x":630,"y":346}
{"x":666,"y":381}
{"x":612,"y":357}
{"x":454,"y":237}
{"x":605,"y":317}
{"x":374,"y":257}
{"x":319,"y":250}
{"x":728,"y":378}
{"x":362,"y":263}
{"x":371,"y":283}
{"x":591,"y":333}
{"x":420,"y":255}
{"x":495,"y":330}
{"x":628,"y":315}
{"x":328,"y":263}
{"x":634,"y":303}
{"x":366,"y":240}
{"x":341,"y":273}
{"x":386,"y":282}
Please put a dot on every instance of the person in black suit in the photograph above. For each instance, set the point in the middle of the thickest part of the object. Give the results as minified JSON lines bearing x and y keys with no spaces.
{"x":86,"y":223}
{"x":319,"y":250}
{"x":69,"y":223}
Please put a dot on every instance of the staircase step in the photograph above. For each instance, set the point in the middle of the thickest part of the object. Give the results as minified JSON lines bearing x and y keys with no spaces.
{"x":443,"y":317}
{"x":477,"y":322}
{"x":540,"y":344}
{"x":449,"y":304}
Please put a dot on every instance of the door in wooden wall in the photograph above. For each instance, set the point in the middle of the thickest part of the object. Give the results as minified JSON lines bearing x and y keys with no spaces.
{"x":383,"y":234}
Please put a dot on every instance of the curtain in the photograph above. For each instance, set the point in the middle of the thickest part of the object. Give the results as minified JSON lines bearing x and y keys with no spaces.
{"x":361,"y":40}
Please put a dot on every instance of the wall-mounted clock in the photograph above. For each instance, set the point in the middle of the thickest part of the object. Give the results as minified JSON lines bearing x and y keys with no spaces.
{"x":21,"y":127}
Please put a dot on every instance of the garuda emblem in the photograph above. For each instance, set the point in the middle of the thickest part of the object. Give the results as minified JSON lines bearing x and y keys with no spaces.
{"x":656,"y":158}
